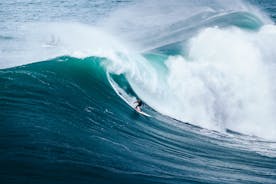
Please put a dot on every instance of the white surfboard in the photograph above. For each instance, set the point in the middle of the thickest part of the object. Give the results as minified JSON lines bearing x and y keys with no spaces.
{"x":143,"y":113}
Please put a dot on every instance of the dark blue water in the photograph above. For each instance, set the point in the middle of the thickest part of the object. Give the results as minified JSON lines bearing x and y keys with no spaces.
{"x":62,"y":119}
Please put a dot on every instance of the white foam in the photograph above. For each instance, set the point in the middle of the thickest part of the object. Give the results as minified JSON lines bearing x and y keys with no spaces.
{"x":226,"y":81}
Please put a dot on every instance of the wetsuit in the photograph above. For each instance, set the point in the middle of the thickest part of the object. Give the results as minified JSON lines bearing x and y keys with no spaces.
{"x":139,"y":103}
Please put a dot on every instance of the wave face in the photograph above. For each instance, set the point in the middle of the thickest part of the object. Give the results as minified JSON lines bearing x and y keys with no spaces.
{"x":205,"y":71}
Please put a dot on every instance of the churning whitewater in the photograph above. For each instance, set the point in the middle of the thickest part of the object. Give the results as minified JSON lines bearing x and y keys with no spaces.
{"x":205,"y":71}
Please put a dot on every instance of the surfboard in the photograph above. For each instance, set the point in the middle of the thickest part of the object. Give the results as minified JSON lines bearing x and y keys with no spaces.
{"x":143,"y":113}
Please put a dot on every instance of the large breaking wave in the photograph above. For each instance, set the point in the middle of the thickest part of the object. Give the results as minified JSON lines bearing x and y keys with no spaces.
{"x":208,"y":63}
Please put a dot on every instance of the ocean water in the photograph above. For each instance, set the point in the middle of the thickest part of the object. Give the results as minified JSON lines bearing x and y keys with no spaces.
{"x":71,"y":71}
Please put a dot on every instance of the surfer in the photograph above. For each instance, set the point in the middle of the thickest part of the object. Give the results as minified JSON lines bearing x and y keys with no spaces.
{"x":139,"y":105}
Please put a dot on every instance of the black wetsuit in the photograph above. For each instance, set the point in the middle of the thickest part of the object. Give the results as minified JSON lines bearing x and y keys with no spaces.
{"x":139,"y":103}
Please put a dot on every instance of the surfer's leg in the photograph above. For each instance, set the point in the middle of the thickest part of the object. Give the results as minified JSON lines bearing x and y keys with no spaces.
{"x":138,"y":108}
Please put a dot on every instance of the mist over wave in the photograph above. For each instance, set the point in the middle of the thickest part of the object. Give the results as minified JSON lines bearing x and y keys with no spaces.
{"x":153,"y":24}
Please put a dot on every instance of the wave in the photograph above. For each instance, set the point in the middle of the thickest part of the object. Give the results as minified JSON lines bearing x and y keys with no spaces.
{"x":205,"y":71}
{"x":65,"y":115}
{"x":216,"y":71}
{"x":222,"y":80}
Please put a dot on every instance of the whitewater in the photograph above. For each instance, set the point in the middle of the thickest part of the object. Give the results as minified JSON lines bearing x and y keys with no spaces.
{"x":205,"y":71}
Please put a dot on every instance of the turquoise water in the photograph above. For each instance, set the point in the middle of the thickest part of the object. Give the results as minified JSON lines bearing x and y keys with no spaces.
{"x":70,"y":72}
